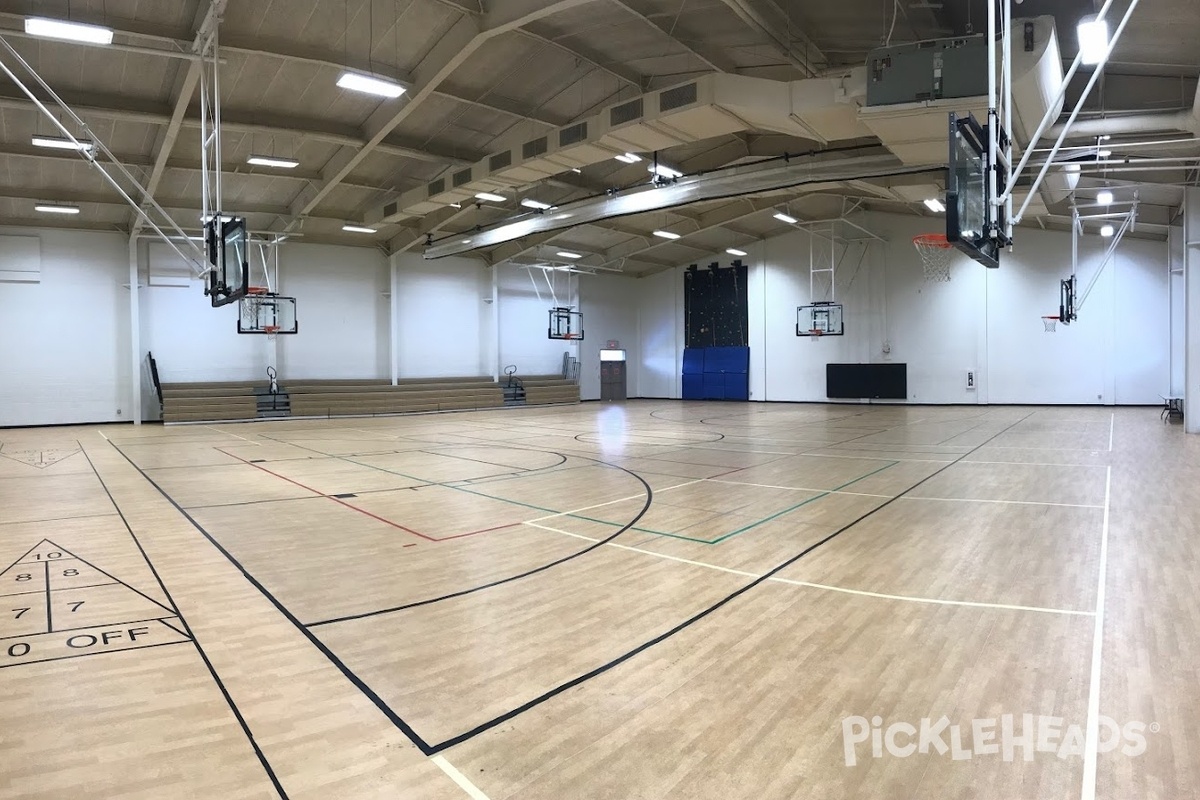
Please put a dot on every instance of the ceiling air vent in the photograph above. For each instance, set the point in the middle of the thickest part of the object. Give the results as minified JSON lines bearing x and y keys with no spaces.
{"x":534,"y":148}
{"x":626,"y":112}
{"x":572,"y":135}
{"x":437,"y":187}
{"x":462,"y":178}
{"x":500,"y":160}
{"x":391,"y":208}
{"x":677,"y":97}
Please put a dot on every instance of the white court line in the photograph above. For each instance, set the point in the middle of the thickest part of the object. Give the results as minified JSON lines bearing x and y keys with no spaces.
{"x":1112,"y":424}
{"x":928,"y":600}
{"x":1009,"y":502}
{"x":105,"y":437}
{"x":610,"y":502}
{"x":647,"y":552}
{"x":1032,"y":464}
{"x":234,"y":435}
{"x":463,"y":782}
{"x":934,"y":601}
{"x":1092,"y":739}
{"x":796,"y":488}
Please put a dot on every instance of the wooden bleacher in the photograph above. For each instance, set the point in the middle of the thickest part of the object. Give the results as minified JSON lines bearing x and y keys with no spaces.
{"x":543,"y":389}
{"x":212,"y":402}
{"x":357,"y":397}
{"x":202,"y":402}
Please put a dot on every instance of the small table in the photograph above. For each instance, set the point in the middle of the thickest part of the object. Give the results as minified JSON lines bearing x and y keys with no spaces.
{"x":1172,"y":407}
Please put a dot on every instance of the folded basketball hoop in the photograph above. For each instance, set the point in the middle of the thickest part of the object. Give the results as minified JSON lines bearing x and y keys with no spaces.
{"x":935,"y":255}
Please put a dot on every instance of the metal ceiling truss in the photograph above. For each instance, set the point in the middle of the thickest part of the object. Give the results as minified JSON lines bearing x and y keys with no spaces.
{"x":100,"y":157}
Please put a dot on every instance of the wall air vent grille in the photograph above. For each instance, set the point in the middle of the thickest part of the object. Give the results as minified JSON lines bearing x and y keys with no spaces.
{"x":677,"y":97}
{"x":534,"y":148}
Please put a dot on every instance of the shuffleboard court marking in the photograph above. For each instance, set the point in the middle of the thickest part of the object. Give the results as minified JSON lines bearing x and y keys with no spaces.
{"x":186,"y":629}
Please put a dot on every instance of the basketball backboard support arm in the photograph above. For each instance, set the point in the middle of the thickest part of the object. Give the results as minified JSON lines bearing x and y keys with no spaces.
{"x":208,"y":48}
{"x":185,"y":249}
{"x":1087,"y":90}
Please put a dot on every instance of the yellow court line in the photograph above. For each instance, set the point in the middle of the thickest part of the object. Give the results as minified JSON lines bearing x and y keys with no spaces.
{"x":473,"y":791}
{"x":880,"y":595}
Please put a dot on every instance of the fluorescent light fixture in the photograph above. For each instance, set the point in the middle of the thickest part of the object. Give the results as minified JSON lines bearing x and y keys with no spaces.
{"x":563,"y":216}
{"x":273,"y":161}
{"x":70,"y":31}
{"x":61,"y":143}
{"x":577,"y":170}
{"x":1105,"y":137}
{"x":465,"y":241}
{"x":935,"y":205}
{"x":788,"y":218}
{"x":208,"y":219}
{"x":357,"y":229}
{"x":1104,"y":197}
{"x":529,"y":202}
{"x":495,"y":198}
{"x":47,"y":208}
{"x":1093,"y":40}
{"x":1104,"y":153}
{"x":365,"y":83}
{"x":1106,"y":231}
{"x":568,"y":254}
{"x":663,"y":171}
{"x":666,"y":234}
{"x":456,"y":205}
{"x":733,"y":251}
{"x":629,"y":158}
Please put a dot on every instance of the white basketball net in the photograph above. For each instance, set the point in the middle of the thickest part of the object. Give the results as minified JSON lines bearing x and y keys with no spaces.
{"x":1050,"y":323}
{"x":935,"y":258}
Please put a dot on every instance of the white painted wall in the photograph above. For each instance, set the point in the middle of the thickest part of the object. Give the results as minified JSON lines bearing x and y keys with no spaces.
{"x":524,"y":308}
{"x":987,"y":321}
{"x":608,"y":315}
{"x":64,"y":341}
{"x":444,"y":317}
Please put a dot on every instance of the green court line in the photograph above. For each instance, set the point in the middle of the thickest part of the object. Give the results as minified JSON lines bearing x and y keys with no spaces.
{"x":718,"y":540}
{"x":752,"y":525}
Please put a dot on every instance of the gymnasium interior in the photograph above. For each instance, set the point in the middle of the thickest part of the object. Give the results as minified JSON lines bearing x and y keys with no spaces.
{"x":599,"y":399}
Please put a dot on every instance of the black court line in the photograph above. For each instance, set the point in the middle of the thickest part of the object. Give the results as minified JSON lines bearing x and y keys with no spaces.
{"x":501,"y":719}
{"x":39,"y":591}
{"x":429,"y":749}
{"x":262,"y":758}
{"x":53,"y":519}
{"x":107,"y":575}
{"x":384,"y":708}
{"x":172,"y":627}
{"x":85,"y":655}
{"x":89,"y":627}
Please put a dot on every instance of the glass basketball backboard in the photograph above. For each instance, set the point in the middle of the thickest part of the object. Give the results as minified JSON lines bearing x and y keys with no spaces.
{"x":229,"y":255}
{"x":967,"y":193}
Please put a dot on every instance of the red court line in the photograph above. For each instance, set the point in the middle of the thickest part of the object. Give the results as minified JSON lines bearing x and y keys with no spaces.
{"x":384,"y":520}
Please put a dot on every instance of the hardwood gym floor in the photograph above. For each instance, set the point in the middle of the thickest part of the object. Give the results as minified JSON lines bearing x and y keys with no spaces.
{"x":647,"y":600}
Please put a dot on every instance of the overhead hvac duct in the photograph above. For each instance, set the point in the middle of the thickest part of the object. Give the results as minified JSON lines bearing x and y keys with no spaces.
{"x":1135,"y":124}
{"x":816,"y":172}
{"x":827,"y":110}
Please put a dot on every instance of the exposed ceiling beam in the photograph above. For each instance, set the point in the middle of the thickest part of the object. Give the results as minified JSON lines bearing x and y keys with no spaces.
{"x":593,"y":58}
{"x":465,"y":37}
{"x":711,"y":56}
{"x":188,"y":205}
{"x":143,"y":162}
{"x":427,"y":225}
{"x":168,"y":43}
{"x":705,"y":221}
{"x":110,"y":107}
{"x":209,"y":14}
{"x":771,"y":22}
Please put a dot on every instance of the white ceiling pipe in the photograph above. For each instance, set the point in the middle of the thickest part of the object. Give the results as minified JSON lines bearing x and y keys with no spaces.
{"x":1134,"y":124}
